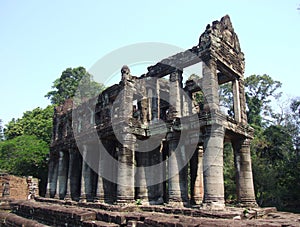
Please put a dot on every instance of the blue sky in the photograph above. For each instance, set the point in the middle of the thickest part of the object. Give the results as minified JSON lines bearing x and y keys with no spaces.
{"x":39,"y":39}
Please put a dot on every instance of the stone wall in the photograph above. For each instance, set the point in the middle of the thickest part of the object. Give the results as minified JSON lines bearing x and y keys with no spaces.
{"x":17,"y":188}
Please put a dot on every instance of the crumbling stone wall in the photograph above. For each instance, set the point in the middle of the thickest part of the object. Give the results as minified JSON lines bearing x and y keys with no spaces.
{"x":18,"y":188}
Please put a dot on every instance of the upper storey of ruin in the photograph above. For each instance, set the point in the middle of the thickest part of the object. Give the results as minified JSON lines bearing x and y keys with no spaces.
{"x":218,"y":41}
{"x":222,"y":60}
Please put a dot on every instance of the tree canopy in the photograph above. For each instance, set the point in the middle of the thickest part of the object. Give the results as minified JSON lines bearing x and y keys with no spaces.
{"x":1,"y":131}
{"x":24,"y":155}
{"x":66,"y":86}
{"x":36,"y":122}
{"x":260,"y":90}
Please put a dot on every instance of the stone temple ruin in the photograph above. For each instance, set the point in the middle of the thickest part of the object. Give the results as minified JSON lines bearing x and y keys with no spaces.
{"x":167,"y":114}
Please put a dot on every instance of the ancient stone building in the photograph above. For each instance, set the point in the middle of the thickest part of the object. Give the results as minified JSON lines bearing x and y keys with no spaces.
{"x":108,"y":133}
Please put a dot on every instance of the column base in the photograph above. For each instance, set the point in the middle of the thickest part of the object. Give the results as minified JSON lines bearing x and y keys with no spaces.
{"x":125,"y":201}
{"x":99,"y":199}
{"x":177,"y":203}
{"x":213,"y":206}
{"x":251,"y":204}
{"x":47,"y":195}
{"x":196,"y":201}
{"x":82,"y":199}
{"x":159,"y":201}
{"x":68,"y":197}
{"x":58,"y":197}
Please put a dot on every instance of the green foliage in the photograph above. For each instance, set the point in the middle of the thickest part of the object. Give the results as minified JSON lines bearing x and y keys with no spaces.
{"x":260,"y":90}
{"x":37,"y":122}
{"x":138,"y":202}
{"x":276,"y":168}
{"x":226,"y":98}
{"x":229,"y":174}
{"x":66,"y":86}
{"x":198,"y":97}
{"x":1,"y":131}
{"x":24,"y":155}
{"x":275,"y":149}
{"x":292,"y":121}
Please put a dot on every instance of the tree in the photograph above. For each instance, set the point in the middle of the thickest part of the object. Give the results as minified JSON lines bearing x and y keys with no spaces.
{"x":66,"y":86}
{"x":37,"y":122}
{"x":25,"y":155}
{"x":226,"y":98}
{"x":259,"y":93}
{"x":292,"y":120}
{"x":1,"y":131}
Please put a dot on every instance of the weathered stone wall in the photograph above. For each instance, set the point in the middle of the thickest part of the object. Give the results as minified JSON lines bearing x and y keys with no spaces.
{"x":17,"y":188}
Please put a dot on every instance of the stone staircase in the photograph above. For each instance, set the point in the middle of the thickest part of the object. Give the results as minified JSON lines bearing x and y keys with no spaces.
{"x":48,"y":212}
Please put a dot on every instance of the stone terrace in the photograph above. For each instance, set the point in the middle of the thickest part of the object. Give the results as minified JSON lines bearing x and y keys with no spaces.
{"x":49,"y":212}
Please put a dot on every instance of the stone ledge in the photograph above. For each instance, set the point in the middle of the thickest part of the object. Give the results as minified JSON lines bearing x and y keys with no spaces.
{"x":61,"y":215}
{"x":10,"y":219}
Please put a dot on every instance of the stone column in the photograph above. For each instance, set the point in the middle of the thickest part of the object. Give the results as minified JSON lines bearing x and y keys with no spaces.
{"x":49,"y":179}
{"x":149,"y":191}
{"x":242,"y":97}
{"x":100,"y":188}
{"x":125,"y":185}
{"x":108,"y":166}
{"x":236,"y":100}
{"x":150,"y":111}
{"x":177,"y":183}
{"x":76,"y":174}
{"x":213,"y":167}
{"x":62,"y":174}
{"x":142,"y":159}
{"x":155,"y":100}
{"x":186,"y":105}
{"x":175,"y":98}
{"x":210,"y":85}
{"x":86,"y":178}
{"x":52,"y":175}
{"x":156,"y":190}
{"x":196,"y":170}
{"x":144,"y":109}
{"x":244,"y":179}
{"x":70,"y":174}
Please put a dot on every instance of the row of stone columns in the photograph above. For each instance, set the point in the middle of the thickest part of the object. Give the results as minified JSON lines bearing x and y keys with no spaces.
{"x":67,"y":167}
{"x":71,"y":177}
{"x":66,"y":176}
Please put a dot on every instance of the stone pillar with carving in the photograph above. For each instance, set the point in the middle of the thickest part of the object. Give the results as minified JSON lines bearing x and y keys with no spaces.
{"x":242,"y":161}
